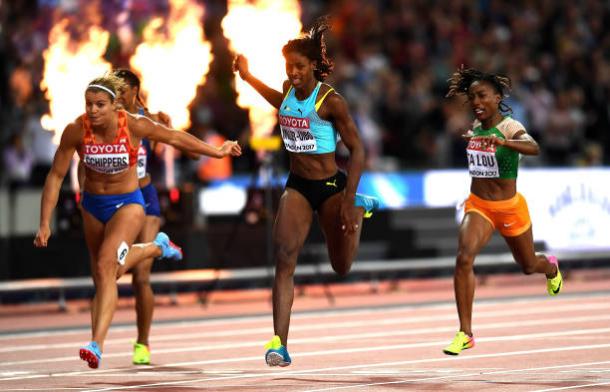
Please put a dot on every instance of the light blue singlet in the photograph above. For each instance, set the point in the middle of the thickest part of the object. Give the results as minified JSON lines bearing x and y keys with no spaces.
{"x":303,"y":131}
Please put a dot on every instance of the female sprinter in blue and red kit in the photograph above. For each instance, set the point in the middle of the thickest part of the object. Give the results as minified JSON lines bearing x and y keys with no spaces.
{"x":310,"y":115}
{"x":129,"y":98}
{"x":107,"y":141}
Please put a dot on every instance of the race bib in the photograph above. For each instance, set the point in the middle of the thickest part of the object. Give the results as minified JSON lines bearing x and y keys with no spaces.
{"x":106,"y":158}
{"x":141,"y":169}
{"x":297,"y":135}
{"x":482,"y":162}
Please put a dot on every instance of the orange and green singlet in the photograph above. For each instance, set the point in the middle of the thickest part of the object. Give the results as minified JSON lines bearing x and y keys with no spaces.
{"x":493,"y":161}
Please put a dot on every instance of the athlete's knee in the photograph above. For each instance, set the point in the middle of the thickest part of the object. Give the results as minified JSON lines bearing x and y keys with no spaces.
{"x":342,"y":267}
{"x":106,"y":266}
{"x":104,"y":271}
{"x":285,"y":259}
{"x":464,"y":259}
{"x":140,"y":280}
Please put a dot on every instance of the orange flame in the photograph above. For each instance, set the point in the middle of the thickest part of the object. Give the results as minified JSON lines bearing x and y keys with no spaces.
{"x":259,"y":29}
{"x":172,"y":60}
{"x":69,"y":66}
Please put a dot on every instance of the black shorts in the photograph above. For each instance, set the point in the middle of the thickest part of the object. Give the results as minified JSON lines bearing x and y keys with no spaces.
{"x":317,"y":191}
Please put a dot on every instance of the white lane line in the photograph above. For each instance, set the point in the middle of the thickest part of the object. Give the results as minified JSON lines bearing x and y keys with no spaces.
{"x":397,"y":363}
{"x":46,"y":389}
{"x":304,"y":315}
{"x":573,"y":387}
{"x":315,"y":326}
{"x":333,"y":338}
{"x":347,"y":337}
{"x":478,"y":374}
{"x":326,"y":352}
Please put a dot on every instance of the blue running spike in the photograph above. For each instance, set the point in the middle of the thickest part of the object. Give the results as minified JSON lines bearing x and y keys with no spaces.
{"x":169,"y":249}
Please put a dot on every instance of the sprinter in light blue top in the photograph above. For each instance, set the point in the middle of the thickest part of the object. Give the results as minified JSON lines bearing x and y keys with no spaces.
{"x":312,"y":116}
{"x":303,"y":131}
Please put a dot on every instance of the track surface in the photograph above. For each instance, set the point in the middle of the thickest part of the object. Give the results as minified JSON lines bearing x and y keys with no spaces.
{"x":383,"y":337}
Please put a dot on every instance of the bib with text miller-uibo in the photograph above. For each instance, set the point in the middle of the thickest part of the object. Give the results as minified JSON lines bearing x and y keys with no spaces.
{"x":297,"y":135}
{"x":482,"y":161}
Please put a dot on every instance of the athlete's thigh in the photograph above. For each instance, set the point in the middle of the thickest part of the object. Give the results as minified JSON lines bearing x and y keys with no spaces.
{"x":475,"y":233}
{"x":293,"y":221}
{"x":329,"y":217}
{"x":124,"y":226}
{"x":522,"y":246}
{"x":150,"y":228}
{"x":94,"y":235}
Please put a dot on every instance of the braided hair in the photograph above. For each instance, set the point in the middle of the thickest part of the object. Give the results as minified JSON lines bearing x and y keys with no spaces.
{"x":312,"y":46}
{"x":463,"y":78}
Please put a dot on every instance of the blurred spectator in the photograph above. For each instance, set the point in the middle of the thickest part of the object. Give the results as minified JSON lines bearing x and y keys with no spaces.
{"x":18,"y":162}
{"x":208,"y":169}
{"x":40,"y":142}
{"x":560,"y":136}
{"x":392,"y":61}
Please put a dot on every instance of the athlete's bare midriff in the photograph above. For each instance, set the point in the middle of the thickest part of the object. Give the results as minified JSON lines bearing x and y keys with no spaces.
{"x":313,"y":167}
{"x":111,"y":184}
{"x":494,"y":189}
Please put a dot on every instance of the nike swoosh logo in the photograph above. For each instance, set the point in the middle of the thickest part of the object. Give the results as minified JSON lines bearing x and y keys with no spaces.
{"x":508,"y":224}
{"x":119,"y":205}
{"x":558,"y":289}
{"x":331,"y":184}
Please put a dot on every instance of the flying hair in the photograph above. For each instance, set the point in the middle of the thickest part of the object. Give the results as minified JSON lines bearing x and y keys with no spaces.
{"x":463,"y":78}
{"x":312,"y":46}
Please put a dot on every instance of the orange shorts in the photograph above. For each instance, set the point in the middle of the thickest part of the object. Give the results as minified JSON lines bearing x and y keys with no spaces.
{"x":510,"y":217}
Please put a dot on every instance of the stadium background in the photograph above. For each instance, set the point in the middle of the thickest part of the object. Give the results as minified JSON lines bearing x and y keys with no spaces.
{"x":392,"y":62}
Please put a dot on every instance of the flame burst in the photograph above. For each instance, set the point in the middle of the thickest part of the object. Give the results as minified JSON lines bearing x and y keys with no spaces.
{"x":172,"y":60}
{"x":69,"y":65}
{"x":259,"y":29}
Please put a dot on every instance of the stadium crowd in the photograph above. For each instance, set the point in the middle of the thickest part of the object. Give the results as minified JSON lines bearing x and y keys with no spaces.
{"x":392,"y":62}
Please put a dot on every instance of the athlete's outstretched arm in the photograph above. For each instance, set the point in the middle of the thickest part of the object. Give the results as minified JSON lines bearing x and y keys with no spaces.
{"x":61,"y":163}
{"x":145,"y":128}
{"x":274,"y":97}
{"x":521,"y":142}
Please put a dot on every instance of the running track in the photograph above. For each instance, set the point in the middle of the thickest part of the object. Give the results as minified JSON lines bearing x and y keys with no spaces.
{"x":386,"y":339}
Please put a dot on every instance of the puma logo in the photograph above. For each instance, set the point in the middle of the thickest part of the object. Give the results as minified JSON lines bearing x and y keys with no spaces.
{"x":300,"y":111}
{"x":333,"y":183}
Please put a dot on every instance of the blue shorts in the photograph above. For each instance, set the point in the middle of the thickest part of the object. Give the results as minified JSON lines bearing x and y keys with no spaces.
{"x":103,"y":207}
{"x":151,"y":200}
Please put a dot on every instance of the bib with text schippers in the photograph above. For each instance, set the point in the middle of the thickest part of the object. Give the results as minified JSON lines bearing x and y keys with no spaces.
{"x":106,"y":158}
{"x":482,"y":162}
{"x":297,"y":135}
